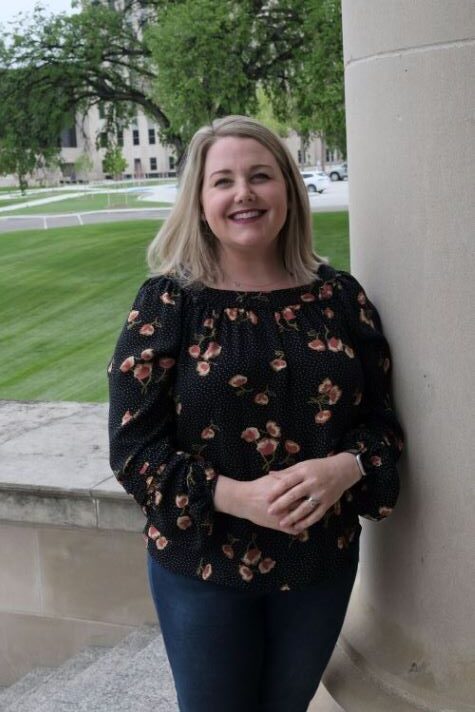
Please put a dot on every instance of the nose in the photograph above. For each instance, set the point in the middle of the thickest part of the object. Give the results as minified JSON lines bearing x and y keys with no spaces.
{"x":244,"y":192}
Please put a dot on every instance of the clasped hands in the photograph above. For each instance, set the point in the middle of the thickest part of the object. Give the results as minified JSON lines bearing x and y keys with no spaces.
{"x":280,"y":501}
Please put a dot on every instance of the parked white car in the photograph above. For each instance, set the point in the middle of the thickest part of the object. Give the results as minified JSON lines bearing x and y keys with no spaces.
{"x":338,"y":172}
{"x":316,"y":181}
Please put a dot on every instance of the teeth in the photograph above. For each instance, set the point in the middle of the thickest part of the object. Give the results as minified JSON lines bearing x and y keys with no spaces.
{"x":246,"y":215}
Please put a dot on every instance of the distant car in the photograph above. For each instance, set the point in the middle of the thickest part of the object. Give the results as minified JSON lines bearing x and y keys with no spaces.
{"x":316,"y":181}
{"x":338,"y":172}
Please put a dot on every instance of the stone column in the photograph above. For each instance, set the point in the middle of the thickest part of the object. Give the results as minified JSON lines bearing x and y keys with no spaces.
{"x":409,"y":640}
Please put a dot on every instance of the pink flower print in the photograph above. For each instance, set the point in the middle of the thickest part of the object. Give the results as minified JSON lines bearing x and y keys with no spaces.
{"x":328,"y":313}
{"x":385,"y":511}
{"x":178,"y":408}
{"x":361,"y":298}
{"x":228,"y":551}
{"x":194,"y":351}
{"x":144,"y":468}
{"x":142,"y":372}
{"x":127,"y":364}
{"x":303,"y":536}
{"x":288,"y":313}
{"x":267,"y":446}
{"x":325,"y":291}
{"x":161,"y":542}
{"x":335,"y":344}
{"x":153,"y":532}
{"x":317,"y":345}
{"x":237,"y":381}
{"x":208,"y":323}
{"x":334,"y":395}
{"x":208,"y":433}
{"x":250,"y":435}
{"x":246,"y":573}
{"x":232,"y":314}
{"x":147,"y":330}
{"x":266,"y":565}
{"x":277,"y":316}
{"x":126,"y":417}
{"x":147,"y":355}
{"x":252,"y":556}
{"x":386,"y":365}
{"x":322,"y":416}
{"x":184,"y":522}
{"x":213,"y":350}
{"x":181,"y":500}
{"x":110,"y":367}
{"x":342,"y":542}
{"x":210,"y":473}
{"x":349,"y":352}
{"x":261,"y":398}
{"x":357,"y":397}
{"x":203,"y":368}
{"x":166,"y":363}
{"x":307,"y":297}
{"x":325,"y":386}
{"x":278,"y":364}
{"x":365,"y":318}
{"x":158,"y":497}
{"x":291,"y":447}
{"x":132,"y":316}
{"x":207,"y":571}
{"x":166,"y":298}
{"x":273,"y":429}
{"x":376,"y":460}
{"x":252,"y":317}
{"x":285,"y":587}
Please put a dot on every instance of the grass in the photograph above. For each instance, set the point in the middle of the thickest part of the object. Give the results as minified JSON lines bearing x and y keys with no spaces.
{"x":65,"y":293}
{"x":6,"y":202}
{"x":84,"y":203}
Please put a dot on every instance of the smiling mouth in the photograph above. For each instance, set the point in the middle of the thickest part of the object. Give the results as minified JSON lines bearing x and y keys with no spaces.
{"x":246,"y":215}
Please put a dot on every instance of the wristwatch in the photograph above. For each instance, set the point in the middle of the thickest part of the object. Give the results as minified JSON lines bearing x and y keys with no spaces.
{"x":359,"y":461}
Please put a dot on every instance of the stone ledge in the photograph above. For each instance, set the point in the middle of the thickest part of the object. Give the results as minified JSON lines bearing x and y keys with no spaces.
{"x":55,"y":469}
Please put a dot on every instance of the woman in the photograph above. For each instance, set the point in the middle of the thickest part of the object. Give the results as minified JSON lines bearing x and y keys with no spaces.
{"x":250,"y":418}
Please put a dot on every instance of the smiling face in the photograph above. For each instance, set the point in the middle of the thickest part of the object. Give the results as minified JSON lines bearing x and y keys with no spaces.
{"x":244,"y":195}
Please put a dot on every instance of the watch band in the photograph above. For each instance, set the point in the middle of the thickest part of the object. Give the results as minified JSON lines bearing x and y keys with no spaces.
{"x":359,"y":461}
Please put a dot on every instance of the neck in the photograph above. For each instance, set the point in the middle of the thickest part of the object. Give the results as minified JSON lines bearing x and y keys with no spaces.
{"x":244,"y":272}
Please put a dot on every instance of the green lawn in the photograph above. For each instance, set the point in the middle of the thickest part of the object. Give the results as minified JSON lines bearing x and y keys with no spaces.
{"x":65,"y":294}
{"x":83,"y":203}
{"x":6,"y":202}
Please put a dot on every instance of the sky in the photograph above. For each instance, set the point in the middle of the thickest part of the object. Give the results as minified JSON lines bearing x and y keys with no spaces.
{"x":8,"y":10}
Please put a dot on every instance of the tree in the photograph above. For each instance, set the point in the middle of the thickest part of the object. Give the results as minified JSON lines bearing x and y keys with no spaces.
{"x":30,"y":125}
{"x":186,"y":62}
{"x":114,"y":162}
{"x":83,"y":165}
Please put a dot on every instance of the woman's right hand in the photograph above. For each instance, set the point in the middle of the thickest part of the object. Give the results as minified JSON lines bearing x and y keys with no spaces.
{"x":249,"y":500}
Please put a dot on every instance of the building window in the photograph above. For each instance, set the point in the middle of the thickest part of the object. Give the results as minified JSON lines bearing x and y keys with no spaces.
{"x":151,"y":136}
{"x":103,"y":142}
{"x":68,"y":138}
{"x":153,"y":164}
{"x":135,"y":137}
{"x":120,"y":137}
{"x":171,"y":163}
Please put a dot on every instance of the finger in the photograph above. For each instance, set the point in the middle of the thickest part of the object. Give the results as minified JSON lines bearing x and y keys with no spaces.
{"x":287,"y":500}
{"x":282,"y":485}
{"x":310,"y":519}
{"x":306,"y":510}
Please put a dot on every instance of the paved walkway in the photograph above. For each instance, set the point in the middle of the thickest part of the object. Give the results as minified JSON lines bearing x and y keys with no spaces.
{"x":334,"y":198}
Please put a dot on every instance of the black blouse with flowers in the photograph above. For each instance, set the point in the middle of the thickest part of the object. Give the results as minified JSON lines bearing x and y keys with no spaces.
{"x":208,"y":382}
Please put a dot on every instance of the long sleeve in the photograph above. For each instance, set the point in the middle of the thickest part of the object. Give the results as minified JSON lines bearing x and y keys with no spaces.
{"x":377,"y":433}
{"x":174,"y":489}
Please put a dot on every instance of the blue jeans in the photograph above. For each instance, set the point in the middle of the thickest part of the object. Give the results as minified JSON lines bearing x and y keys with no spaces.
{"x":234,"y":651}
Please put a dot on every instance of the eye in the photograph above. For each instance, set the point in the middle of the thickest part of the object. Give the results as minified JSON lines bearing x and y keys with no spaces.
{"x":260,"y":177}
{"x":222,"y":181}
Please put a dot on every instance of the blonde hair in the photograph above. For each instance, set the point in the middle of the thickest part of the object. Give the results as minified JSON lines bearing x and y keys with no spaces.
{"x":185,"y":246}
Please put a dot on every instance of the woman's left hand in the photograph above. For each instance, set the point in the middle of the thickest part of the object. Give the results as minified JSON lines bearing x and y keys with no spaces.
{"x":324,"y":479}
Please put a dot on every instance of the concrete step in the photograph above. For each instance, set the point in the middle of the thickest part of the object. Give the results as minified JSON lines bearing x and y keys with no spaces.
{"x":31,"y":700}
{"x":94,"y":688}
{"x":24,"y":686}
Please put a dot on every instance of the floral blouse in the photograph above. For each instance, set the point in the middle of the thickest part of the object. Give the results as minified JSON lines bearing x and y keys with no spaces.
{"x":206,"y":382}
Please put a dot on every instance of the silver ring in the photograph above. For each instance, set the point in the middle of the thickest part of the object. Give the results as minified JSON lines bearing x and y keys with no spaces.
{"x":313,"y":501}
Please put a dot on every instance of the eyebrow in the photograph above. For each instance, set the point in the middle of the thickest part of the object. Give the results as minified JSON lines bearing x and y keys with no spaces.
{"x":253,"y":168}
